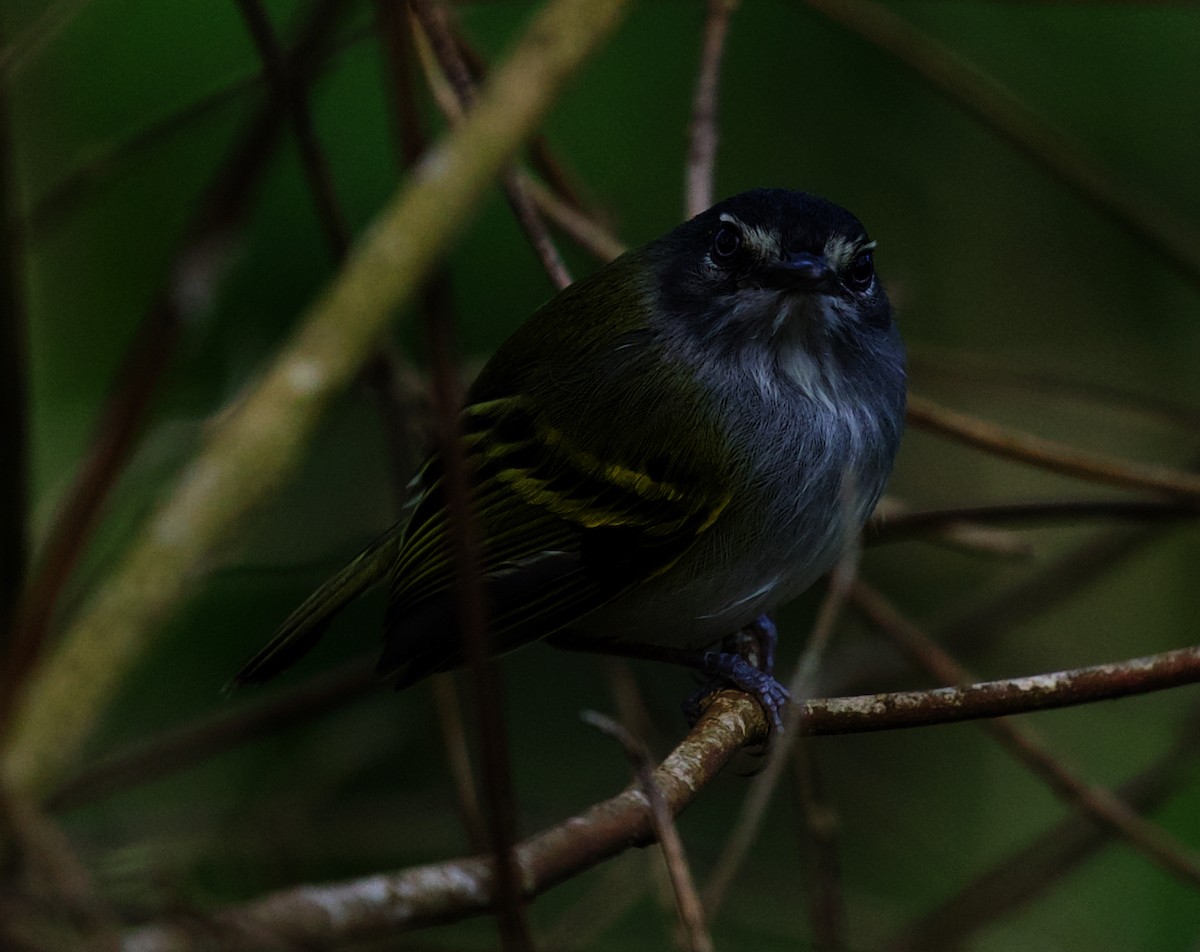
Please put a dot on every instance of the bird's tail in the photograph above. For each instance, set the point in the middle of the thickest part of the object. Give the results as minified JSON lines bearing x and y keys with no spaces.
{"x":305,"y":626}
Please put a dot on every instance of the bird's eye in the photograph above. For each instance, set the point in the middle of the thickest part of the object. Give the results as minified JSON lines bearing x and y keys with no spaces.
{"x":861,"y":272}
{"x":726,"y":244}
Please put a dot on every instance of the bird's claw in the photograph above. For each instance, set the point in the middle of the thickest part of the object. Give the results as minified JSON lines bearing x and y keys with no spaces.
{"x":733,"y":671}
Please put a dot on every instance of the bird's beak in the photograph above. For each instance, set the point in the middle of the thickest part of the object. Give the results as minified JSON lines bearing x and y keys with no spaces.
{"x":802,"y":272}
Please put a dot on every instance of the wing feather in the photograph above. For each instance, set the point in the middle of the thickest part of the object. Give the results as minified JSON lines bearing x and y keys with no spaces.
{"x":566,"y":532}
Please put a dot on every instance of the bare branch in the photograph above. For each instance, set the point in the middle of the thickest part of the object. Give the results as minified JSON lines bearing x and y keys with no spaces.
{"x":388,"y":904}
{"x":1155,"y":222}
{"x":1022,"y":875}
{"x":896,"y":526}
{"x":259,"y":438}
{"x":691,"y":914}
{"x":1051,"y":455}
{"x":14,"y":402}
{"x":1100,"y":804}
{"x":435,"y":23}
{"x":702,"y":134}
{"x":197,"y":268}
{"x":1038,"y":692}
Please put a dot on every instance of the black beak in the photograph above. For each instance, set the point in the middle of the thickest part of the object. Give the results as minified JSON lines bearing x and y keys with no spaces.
{"x":803,"y":272}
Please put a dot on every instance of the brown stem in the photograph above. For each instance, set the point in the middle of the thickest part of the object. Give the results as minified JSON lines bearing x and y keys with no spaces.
{"x":435,"y":23}
{"x":687,"y":902}
{"x":819,"y":854}
{"x":198,"y":267}
{"x":384,"y":905}
{"x":1028,"y":872}
{"x":499,"y":800}
{"x":1051,"y":455}
{"x":1098,"y":803}
{"x":14,"y":408}
{"x":701,"y":164}
{"x":1144,"y":215}
{"x":908,"y":525}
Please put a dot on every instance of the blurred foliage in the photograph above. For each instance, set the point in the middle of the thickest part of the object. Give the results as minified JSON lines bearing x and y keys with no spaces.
{"x":1003,"y":278}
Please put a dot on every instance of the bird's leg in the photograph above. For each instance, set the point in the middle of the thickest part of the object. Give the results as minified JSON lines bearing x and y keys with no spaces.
{"x":745,"y":663}
{"x":756,"y":643}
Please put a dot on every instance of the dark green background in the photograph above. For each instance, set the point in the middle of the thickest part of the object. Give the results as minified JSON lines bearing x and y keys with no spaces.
{"x":986,"y":256}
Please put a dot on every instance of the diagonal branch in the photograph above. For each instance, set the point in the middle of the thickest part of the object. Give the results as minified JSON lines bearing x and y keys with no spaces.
{"x":1050,"y":454}
{"x":702,"y":133}
{"x":386,"y":904}
{"x":436,"y":27}
{"x":1028,"y":748}
{"x":258,"y":439}
{"x":183,"y":296}
{"x":14,"y":409}
{"x":1147,"y":217}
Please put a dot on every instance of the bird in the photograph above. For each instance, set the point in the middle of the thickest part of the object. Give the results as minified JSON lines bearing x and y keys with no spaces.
{"x":660,"y":456}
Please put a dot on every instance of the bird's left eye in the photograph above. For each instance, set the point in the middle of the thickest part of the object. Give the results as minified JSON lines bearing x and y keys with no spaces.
{"x":726,"y":244}
{"x":861,"y":272}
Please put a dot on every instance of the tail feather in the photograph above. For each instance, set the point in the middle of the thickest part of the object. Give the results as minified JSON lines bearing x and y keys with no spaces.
{"x":304,"y":627}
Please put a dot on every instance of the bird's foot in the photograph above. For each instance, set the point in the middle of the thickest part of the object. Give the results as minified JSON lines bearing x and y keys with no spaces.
{"x":730,"y":670}
{"x":756,"y":643}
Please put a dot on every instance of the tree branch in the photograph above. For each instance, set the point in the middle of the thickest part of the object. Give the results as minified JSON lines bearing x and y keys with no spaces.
{"x":258,"y":439}
{"x":1139,"y":212}
{"x":1050,"y":454}
{"x":388,"y":904}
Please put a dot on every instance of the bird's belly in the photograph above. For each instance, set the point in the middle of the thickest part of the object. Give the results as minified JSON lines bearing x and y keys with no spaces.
{"x":720,"y":585}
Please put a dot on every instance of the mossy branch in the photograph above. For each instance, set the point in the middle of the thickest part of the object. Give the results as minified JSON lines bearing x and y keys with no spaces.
{"x":257,"y":440}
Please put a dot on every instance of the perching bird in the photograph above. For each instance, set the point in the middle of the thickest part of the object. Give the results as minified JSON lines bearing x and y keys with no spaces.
{"x":664,"y":452}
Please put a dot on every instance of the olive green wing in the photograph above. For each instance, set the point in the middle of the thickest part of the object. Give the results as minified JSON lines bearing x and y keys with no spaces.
{"x":563,"y":532}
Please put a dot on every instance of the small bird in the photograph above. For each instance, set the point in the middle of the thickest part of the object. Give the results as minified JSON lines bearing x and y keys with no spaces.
{"x":661,"y":455}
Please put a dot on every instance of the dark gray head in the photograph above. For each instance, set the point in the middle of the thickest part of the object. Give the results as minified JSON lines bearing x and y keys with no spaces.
{"x":784,"y":280}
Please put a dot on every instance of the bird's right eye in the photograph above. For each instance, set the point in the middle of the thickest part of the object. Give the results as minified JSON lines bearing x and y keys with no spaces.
{"x":726,"y":244}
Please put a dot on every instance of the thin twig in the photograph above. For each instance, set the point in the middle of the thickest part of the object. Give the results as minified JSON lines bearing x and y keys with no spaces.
{"x":585,"y":231}
{"x":289,"y":92}
{"x":737,"y":845}
{"x":260,"y":437}
{"x":1144,"y":215}
{"x":819,"y":854}
{"x":998,"y":372}
{"x":1050,"y":454}
{"x":198,"y":266}
{"x":687,"y":902}
{"x":1097,"y":802}
{"x":472,"y":622}
{"x":702,"y":133}
{"x":436,"y":26}
{"x":385,"y":905}
{"x":395,"y":28}
{"x":181,"y":747}
{"x":899,"y":526}
{"x":14,"y":402}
